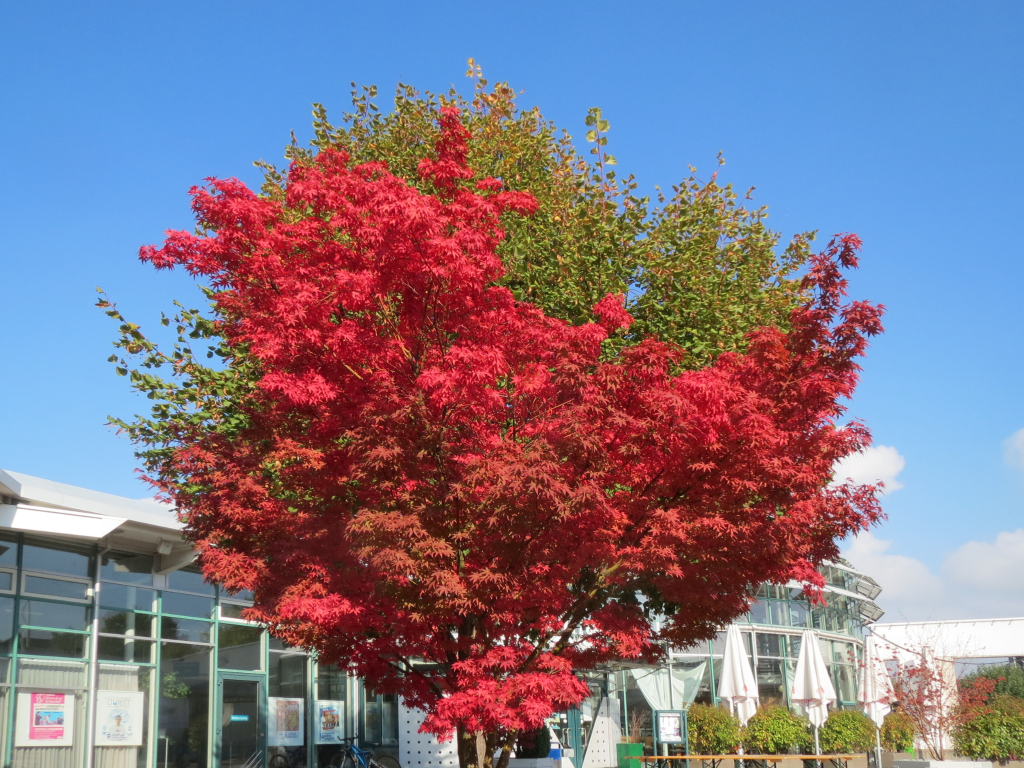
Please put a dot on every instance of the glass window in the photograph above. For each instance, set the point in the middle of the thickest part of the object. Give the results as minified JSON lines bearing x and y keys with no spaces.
{"x":186,"y":629}
{"x":287,"y":674}
{"x":240,"y":647}
{"x":189,"y":579}
{"x":6,"y":581}
{"x":129,"y":598}
{"x":793,"y":643}
{"x":780,"y":613}
{"x":331,"y":683}
{"x":380,"y":718}
{"x":6,"y":624}
{"x":127,"y":567}
{"x":758,"y":612}
{"x":231,"y":611}
{"x":38,"y":585}
{"x":68,"y":560}
{"x":799,"y":616}
{"x":846,"y":682}
{"x":9,"y":550}
{"x":38,"y":613}
{"x":769,"y":645}
{"x":184,"y":705}
{"x":125,"y":649}
{"x":188,"y":605}
{"x":43,"y":642}
{"x":718,"y":644}
{"x":242,"y":595}
{"x":771,"y":687}
{"x":126,"y":623}
{"x":701,"y":647}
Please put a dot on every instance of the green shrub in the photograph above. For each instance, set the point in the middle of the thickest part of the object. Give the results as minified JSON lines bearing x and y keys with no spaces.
{"x":534,"y":744}
{"x":847,"y":731}
{"x":897,"y":733}
{"x":713,"y":731}
{"x":774,"y":730}
{"x":1012,"y":683}
{"x":996,"y":733}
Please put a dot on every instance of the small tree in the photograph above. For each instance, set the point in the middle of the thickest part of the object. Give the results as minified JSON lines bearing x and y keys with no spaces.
{"x":712,"y":730}
{"x":459,"y":495}
{"x":847,"y":731}
{"x":927,"y":693}
{"x":774,"y":730}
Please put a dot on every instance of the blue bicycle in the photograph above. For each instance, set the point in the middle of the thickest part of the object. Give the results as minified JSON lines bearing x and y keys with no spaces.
{"x":352,"y":756}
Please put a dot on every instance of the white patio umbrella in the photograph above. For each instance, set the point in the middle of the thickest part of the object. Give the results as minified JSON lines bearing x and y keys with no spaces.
{"x":737,"y":686}
{"x":812,"y":686}
{"x":875,"y":693}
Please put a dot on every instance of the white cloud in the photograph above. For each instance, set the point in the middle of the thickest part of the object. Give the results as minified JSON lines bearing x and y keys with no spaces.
{"x":996,"y":567}
{"x":873,"y":464}
{"x":979,"y":579}
{"x":1013,"y":449}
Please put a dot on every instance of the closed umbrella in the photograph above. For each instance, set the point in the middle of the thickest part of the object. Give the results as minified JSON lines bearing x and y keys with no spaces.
{"x":737,"y":686}
{"x":812,"y":685}
{"x":875,"y":693}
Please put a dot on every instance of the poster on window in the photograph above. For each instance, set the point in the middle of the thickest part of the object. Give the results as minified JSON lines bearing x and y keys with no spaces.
{"x":119,"y":716}
{"x":285,"y":723}
{"x":330,"y":721}
{"x":45,"y":720}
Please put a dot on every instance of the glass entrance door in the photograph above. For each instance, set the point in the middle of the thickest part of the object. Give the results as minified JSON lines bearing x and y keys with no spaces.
{"x":241,"y":741}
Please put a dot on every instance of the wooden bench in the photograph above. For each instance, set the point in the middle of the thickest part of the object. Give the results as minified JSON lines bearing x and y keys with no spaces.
{"x":839,"y":761}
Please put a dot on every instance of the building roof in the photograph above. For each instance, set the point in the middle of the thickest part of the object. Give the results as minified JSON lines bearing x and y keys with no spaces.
{"x":35,"y":504}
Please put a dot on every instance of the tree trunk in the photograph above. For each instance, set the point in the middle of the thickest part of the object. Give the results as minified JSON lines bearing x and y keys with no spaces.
{"x":472,"y":749}
{"x":476,"y":749}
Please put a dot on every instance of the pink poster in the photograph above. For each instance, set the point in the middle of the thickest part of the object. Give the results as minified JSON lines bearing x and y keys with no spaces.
{"x":48,"y":717}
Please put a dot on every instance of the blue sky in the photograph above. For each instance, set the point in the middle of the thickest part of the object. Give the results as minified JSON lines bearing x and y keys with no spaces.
{"x":899,"y":121}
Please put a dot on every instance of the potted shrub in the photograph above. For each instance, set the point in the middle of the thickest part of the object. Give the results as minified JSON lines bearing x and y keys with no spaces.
{"x":712,"y":730}
{"x":774,"y":730}
{"x":847,"y":731}
{"x":898,"y":733}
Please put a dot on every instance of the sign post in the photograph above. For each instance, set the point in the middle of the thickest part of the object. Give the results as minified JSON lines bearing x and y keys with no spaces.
{"x":670,"y":727}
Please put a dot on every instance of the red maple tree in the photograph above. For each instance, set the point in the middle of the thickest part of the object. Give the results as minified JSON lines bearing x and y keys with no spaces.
{"x":462,"y":499}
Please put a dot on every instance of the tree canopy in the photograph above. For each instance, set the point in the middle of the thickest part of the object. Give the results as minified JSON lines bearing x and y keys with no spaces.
{"x":479,"y":418}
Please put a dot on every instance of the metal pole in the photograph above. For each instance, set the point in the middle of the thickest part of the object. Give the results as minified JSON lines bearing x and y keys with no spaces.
{"x":817,"y":748}
{"x":878,"y":748}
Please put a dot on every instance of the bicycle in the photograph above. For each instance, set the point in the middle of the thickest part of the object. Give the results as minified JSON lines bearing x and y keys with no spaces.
{"x":352,"y":756}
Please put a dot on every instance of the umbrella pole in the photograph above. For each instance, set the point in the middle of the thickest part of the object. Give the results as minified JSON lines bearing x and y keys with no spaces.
{"x":817,"y":748}
{"x":878,"y":748}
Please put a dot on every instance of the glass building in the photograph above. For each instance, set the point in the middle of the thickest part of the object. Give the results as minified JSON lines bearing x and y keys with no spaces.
{"x":114,"y":653}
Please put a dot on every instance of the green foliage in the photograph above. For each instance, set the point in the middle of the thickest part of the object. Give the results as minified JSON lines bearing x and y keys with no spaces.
{"x":995,"y":732}
{"x":534,"y":744}
{"x":712,"y":730}
{"x":774,"y":730}
{"x":897,"y":732}
{"x":847,"y":731}
{"x":700,"y":269}
{"x":1010,"y":684}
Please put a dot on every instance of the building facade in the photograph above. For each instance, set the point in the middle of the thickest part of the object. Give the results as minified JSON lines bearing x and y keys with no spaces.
{"x":114,"y":653}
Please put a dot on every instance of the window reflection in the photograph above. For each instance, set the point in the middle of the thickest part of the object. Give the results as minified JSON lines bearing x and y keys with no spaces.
{"x":184,"y":705}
